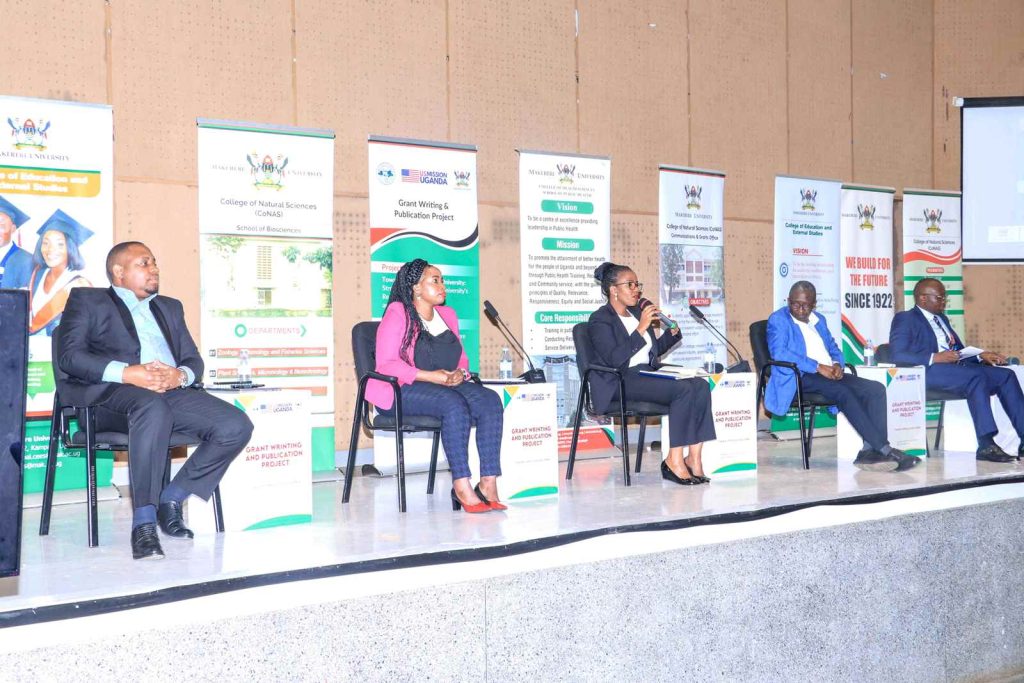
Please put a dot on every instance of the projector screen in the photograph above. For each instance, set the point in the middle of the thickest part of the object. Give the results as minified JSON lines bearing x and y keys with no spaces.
{"x":992,"y":179}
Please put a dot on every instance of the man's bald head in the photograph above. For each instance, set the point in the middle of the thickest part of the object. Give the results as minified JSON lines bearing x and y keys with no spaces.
{"x":930,"y":295}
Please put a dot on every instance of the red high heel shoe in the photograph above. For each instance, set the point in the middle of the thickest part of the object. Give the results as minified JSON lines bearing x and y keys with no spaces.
{"x":495,"y":505}
{"x":477,"y":507}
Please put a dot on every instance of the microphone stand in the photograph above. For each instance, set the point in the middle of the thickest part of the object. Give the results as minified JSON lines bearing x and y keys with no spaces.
{"x":533,"y":375}
{"x":740,"y":365}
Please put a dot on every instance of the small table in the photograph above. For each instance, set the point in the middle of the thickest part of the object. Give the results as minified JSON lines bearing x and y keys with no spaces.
{"x":904,"y":390}
{"x":270,"y":483}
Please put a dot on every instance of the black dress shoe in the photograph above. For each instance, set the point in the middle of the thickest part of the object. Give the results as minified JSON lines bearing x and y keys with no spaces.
{"x":667,"y":473}
{"x":873,"y":461}
{"x":145,"y":544}
{"x":701,"y":479}
{"x":171,"y":521}
{"x":905,"y":461}
{"x":994,"y":453}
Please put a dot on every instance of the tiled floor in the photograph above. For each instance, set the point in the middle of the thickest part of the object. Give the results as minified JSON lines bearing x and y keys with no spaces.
{"x":60,"y":568}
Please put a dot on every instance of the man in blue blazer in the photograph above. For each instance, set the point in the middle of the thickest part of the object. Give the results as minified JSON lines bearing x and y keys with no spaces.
{"x":796,"y":334}
{"x":923,"y":336}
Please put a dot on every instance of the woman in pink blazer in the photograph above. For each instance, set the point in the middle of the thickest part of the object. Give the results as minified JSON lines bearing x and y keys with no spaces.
{"x":418,"y":342}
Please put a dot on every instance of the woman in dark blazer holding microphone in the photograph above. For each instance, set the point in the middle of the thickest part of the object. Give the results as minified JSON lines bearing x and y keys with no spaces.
{"x":622,"y":335}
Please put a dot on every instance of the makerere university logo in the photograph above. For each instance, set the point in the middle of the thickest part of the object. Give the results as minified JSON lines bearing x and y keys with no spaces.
{"x":933,"y":217}
{"x":866,"y":213}
{"x":267,"y":173}
{"x":28,"y":134}
{"x":693,"y":196}
{"x":807,"y":199}
{"x":566,"y":174}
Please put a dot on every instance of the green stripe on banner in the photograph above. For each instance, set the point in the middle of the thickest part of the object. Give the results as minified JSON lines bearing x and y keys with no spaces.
{"x":942,"y":278}
{"x":949,"y":292}
{"x":283,"y":520}
{"x":536,"y":491}
{"x":954,"y":311}
{"x":39,"y":169}
{"x":916,"y":452}
{"x":736,"y":467}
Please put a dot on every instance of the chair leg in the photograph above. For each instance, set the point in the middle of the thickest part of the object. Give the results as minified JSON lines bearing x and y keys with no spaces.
{"x":92,"y":520}
{"x":938,"y":428}
{"x":625,"y":442}
{"x":400,"y":459}
{"x":640,"y":444}
{"x":810,"y":434}
{"x":352,"y":443}
{"x":803,"y":437}
{"x":218,"y":510}
{"x":575,"y":435}
{"x":433,"y":462}
{"x":51,"y":470}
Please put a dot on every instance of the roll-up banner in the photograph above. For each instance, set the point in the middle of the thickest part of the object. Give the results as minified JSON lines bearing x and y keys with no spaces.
{"x":866,"y":268}
{"x":807,"y":248}
{"x":565,"y":233}
{"x":56,"y":227}
{"x":266,"y":212}
{"x":931,"y":247}
{"x":691,"y":245}
{"x":423,"y":205}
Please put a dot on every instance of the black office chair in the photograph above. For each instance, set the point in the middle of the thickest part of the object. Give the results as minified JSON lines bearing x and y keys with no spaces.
{"x":622,"y":409}
{"x":803,"y":401}
{"x":88,"y":439}
{"x":364,"y":353}
{"x":883,"y":354}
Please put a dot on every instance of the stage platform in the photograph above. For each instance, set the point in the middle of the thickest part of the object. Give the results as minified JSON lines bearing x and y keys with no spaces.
{"x":69,"y":594}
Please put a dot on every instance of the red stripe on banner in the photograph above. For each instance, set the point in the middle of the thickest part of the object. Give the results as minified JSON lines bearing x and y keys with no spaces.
{"x":853,"y":330}
{"x":380,"y":234}
{"x":932,"y":258}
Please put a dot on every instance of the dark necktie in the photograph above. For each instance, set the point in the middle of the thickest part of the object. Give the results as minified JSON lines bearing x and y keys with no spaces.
{"x":951,"y":341}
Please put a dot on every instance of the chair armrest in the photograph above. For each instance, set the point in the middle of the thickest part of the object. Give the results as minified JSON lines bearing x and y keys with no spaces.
{"x":390,"y":379}
{"x":603,"y":368}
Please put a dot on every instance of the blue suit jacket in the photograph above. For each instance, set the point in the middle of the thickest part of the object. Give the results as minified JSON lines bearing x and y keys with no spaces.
{"x":17,"y":270}
{"x":786,"y":343}
{"x":912,"y":341}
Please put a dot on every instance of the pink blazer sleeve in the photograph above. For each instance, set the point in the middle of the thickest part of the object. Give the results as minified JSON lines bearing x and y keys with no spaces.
{"x":389,"y":342}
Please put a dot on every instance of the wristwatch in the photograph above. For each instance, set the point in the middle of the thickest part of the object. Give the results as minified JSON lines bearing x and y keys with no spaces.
{"x":184,"y":379}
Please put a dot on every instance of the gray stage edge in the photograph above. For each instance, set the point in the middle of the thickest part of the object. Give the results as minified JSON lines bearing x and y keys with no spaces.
{"x":934,"y":596}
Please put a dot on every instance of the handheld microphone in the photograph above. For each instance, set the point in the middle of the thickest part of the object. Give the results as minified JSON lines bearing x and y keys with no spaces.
{"x":740,"y":365}
{"x":533,"y":375}
{"x":666,"y":322}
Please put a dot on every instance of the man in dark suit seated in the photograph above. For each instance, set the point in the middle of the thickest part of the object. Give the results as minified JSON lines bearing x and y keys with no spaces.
{"x":923,"y":336}
{"x":796,"y":334}
{"x":128,"y":352}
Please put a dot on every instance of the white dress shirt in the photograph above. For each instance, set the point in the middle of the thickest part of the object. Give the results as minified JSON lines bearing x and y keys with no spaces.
{"x":816,"y":350}
{"x":643,"y":356}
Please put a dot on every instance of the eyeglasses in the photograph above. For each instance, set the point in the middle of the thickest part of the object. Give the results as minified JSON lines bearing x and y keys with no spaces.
{"x":632,"y":285}
{"x":942,"y":298}
{"x":802,"y":305}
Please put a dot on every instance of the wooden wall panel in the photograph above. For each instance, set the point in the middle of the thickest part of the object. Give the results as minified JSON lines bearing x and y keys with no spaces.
{"x":748,"y":277}
{"x":175,"y":61}
{"x":54,"y":49}
{"x":738,"y":98}
{"x":164,"y":217}
{"x":892,"y":75}
{"x":988,"y":61}
{"x":351,"y":304}
{"x":633,"y":97}
{"x":370,"y":68}
{"x":513,"y":84}
{"x":819,"y":91}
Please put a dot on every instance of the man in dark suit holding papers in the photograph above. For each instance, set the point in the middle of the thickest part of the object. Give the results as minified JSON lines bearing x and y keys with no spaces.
{"x":923,"y":336}
{"x":796,"y":334}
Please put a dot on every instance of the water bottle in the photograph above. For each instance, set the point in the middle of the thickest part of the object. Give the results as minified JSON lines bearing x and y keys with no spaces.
{"x":869,"y":353}
{"x":505,"y":364}
{"x":709,"y":358}
{"x":244,"y":373}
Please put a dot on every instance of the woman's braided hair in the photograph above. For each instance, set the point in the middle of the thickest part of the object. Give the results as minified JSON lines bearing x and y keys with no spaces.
{"x":408,"y":276}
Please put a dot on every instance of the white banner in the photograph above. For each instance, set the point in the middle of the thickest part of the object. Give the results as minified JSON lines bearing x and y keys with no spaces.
{"x":423,"y":204}
{"x":931,"y":247}
{"x":807,"y":242}
{"x":866,"y":269}
{"x":266,"y":207}
{"x":56,"y":215}
{"x":565,"y":233}
{"x":904,"y":390}
{"x":692,"y":272}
